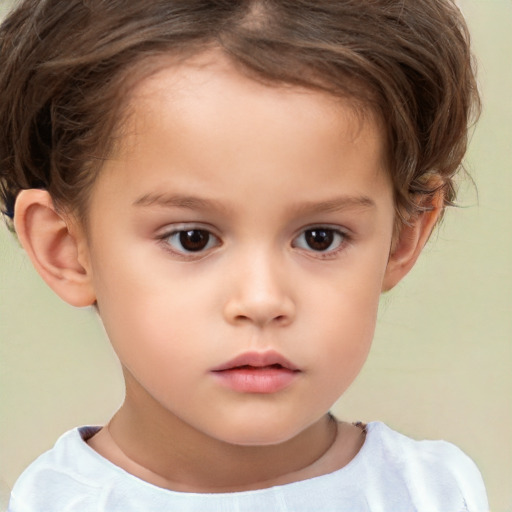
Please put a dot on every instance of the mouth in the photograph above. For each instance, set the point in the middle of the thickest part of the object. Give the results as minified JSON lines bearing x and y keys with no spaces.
{"x":257,"y":360}
{"x":255,"y":372}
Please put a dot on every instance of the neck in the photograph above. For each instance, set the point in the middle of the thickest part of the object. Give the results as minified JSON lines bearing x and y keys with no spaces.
{"x":152,"y":443}
{"x":176,"y":456}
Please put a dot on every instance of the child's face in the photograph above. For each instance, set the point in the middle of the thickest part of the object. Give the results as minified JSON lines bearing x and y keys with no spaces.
{"x":240,"y":218}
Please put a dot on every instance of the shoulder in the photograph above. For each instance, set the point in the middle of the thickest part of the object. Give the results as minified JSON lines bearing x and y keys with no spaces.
{"x":66,"y":476}
{"x":430,"y":468}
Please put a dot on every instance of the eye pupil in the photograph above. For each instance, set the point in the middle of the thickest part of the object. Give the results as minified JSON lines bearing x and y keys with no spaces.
{"x":319,"y":239}
{"x":194,"y":239}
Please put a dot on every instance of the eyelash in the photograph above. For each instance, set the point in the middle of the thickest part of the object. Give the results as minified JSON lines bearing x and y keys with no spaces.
{"x":333,"y":233}
{"x":166,"y":240}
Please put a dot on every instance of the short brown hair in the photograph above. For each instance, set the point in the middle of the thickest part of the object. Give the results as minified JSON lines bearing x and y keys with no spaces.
{"x":64,"y":66}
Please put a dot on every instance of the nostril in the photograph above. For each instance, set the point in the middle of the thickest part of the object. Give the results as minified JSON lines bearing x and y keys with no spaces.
{"x":261,"y":311}
{"x":279,"y":319}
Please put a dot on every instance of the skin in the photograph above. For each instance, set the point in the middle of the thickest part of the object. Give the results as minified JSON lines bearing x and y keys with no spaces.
{"x":257,"y":167}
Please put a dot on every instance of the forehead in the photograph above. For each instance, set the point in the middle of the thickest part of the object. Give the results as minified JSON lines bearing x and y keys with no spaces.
{"x":203,"y":121}
{"x":209,"y":85}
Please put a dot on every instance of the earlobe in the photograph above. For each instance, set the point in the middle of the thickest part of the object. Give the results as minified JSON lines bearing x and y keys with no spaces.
{"x":52,"y":247}
{"x":411,"y":240}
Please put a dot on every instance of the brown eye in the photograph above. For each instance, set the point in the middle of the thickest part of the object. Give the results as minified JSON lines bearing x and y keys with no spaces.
{"x":191,"y":240}
{"x":319,"y":239}
{"x":194,"y":240}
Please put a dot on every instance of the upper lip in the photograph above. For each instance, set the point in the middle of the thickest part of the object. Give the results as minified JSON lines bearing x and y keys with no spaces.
{"x":257,"y":360}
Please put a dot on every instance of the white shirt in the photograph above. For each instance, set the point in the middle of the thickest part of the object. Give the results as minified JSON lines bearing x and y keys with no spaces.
{"x":390,"y":473}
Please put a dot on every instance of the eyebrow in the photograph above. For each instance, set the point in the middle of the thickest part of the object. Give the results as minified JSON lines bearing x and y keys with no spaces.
{"x":178,"y":201}
{"x":198,"y":203}
{"x":335,"y":205}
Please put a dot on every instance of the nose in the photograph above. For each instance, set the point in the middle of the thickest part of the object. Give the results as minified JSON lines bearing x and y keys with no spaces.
{"x":260,"y":294}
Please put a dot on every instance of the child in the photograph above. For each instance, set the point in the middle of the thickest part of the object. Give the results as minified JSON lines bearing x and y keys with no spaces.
{"x":232,"y":184}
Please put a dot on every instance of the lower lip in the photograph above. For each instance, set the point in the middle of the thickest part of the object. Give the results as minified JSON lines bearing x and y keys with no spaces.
{"x":256,"y":380}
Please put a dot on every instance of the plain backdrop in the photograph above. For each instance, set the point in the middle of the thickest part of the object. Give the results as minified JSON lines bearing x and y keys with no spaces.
{"x":442,"y":357}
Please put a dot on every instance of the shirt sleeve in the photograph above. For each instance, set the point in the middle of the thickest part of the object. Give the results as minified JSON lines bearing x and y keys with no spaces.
{"x":456,"y":471}
{"x":470,"y":481}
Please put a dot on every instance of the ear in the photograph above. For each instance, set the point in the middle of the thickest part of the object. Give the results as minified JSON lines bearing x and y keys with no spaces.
{"x":410,"y":242}
{"x":54,"y":247}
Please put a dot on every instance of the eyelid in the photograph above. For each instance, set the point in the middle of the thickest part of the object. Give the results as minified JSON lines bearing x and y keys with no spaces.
{"x":329,"y":253}
{"x":174,"y":229}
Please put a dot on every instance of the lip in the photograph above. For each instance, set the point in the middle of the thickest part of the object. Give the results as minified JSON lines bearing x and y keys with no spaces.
{"x":257,"y":360}
{"x":257,"y":372}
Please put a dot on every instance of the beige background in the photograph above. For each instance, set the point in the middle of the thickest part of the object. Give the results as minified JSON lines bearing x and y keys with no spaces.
{"x":441,"y":363}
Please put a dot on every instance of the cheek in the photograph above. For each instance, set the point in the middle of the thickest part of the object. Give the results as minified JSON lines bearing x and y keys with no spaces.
{"x":153,"y":323}
{"x":345,"y":348}
{"x":349,"y":328}
{"x":146,"y":316}
{"x":343,"y":318}
{"x":155,"y":342}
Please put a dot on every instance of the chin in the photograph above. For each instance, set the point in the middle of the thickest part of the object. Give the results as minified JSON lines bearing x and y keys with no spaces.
{"x":258,"y":433}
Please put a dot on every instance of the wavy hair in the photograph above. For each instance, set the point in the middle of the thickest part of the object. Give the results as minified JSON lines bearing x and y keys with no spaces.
{"x":66,"y":67}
